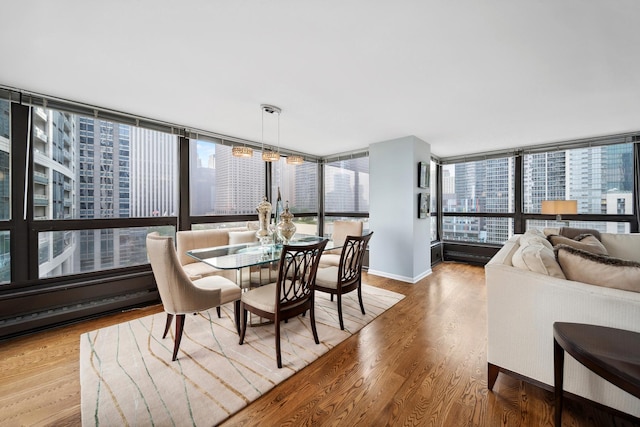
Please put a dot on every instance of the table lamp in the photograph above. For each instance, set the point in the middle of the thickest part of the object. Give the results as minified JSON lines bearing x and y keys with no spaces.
{"x":560,"y":207}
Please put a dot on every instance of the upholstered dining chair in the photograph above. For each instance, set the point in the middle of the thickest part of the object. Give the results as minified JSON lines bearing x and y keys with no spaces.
{"x":179,"y":294}
{"x":347,"y":276}
{"x":341,"y":229}
{"x":290,"y":295}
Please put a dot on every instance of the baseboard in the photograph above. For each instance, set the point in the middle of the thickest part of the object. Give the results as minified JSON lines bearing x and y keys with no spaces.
{"x":406,"y":279}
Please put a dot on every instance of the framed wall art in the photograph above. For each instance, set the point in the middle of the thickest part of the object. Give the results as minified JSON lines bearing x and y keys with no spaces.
{"x":424,"y":203}
{"x":423,"y":175}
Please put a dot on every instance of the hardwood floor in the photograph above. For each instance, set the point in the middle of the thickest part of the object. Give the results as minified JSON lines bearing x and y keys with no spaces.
{"x":423,"y":362}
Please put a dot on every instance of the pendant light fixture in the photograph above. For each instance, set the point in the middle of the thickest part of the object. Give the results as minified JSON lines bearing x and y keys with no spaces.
{"x":295,"y":160}
{"x":241,"y":151}
{"x":270,"y":155}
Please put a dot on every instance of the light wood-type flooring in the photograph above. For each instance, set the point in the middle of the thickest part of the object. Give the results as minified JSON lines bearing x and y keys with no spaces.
{"x":423,"y":362}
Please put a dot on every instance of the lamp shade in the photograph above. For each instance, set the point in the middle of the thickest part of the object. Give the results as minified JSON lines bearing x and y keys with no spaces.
{"x":559,"y":207}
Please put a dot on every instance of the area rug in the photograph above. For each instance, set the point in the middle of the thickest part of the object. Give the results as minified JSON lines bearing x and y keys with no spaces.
{"x":127,"y":377}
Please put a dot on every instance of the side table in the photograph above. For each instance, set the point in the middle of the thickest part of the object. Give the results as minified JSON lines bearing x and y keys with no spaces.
{"x":613,"y":354}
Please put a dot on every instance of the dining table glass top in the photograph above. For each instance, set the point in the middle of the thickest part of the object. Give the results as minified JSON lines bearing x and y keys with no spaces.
{"x":249,"y":254}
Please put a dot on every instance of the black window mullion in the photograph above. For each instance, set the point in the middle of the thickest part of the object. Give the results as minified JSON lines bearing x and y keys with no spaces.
{"x":519,"y":224}
{"x":184,"y":190}
{"x":22,"y":263}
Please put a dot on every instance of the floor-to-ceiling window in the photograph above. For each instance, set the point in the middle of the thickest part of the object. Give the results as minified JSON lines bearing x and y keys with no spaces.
{"x":473,"y":192}
{"x":296,"y":185}
{"x":346,"y":191}
{"x":599,"y":178}
{"x":481,"y":203}
{"x":224,"y":190}
{"x":86,"y":168}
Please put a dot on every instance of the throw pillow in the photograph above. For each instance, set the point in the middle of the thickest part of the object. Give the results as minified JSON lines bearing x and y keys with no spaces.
{"x":572,"y":232}
{"x":586,"y":242}
{"x":534,"y":236}
{"x":237,"y":237}
{"x":539,"y":259}
{"x":600,"y":270}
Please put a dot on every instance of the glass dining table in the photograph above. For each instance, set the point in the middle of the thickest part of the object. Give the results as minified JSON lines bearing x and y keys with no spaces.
{"x":244,"y":256}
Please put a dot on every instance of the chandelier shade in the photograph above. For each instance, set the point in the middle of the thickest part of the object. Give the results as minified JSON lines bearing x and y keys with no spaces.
{"x":242,"y":151}
{"x":270,"y":156}
{"x":295,"y":160}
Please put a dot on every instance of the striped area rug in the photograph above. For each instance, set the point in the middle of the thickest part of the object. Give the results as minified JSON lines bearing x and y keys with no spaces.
{"x":127,"y":377}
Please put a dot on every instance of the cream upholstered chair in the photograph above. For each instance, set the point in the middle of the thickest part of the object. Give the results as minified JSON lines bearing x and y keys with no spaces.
{"x":348,"y":275}
{"x":290,"y":295}
{"x":341,"y":229}
{"x":179,"y":294}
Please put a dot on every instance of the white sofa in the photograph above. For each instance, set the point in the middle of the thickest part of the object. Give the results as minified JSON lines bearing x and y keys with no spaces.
{"x":522,"y":306}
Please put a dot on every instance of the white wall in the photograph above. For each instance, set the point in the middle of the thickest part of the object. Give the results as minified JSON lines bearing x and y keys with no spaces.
{"x":400,"y":247}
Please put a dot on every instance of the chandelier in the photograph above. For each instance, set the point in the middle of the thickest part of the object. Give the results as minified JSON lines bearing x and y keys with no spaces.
{"x":270,"y":155}
{"x":295,"y":160}
{"x":242,"y":151}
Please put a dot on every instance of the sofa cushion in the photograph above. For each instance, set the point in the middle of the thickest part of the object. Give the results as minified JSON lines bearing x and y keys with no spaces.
{"x":572,"y":232}
{"x":237,"y":237}
{"x":623,"y":245}
{"x":534,"y":236}
{"x":601,"y":270}
{"x":187,"y":240}
{"x":585,"y":242}
{"x":537,"y":258}
{"x":198,"y":270}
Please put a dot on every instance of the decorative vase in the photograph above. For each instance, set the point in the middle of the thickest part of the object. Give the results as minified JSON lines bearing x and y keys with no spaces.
{"x":264,"y":217}
{"x":286,"y":228}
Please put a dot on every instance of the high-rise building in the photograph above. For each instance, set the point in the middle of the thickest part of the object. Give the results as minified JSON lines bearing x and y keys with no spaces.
{"x":54,"y":136}
{"x":236,"y":191}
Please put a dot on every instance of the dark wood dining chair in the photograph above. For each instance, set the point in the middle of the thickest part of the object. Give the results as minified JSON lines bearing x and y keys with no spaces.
{"x":290,"y":295}
{"x":347,"y":276}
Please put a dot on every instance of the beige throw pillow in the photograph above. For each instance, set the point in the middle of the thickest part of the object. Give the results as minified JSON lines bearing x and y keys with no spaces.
{"x":600,"y":270}
{"x":585,"y":242}
{"x":534,"y":236}
{"x":537,"y":258}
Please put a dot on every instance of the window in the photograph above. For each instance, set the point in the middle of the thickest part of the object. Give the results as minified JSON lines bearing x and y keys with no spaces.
{"x":222,"y":184}
{"x":89,"y":168}
{"x":298,"y":184}
{"x":481,"y":186}
{"x":346,"y":184}
{"x":484,"y":187}
{"x":599,"y":178}
{"x":81,"y":251}
{"x":76,"y":176}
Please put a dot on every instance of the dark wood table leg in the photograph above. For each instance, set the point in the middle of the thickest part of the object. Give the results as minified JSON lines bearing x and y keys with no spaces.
{"x":558,"y":374}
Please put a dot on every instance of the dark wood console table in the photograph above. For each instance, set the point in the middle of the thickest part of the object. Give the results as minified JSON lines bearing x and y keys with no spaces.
{"x":613,"y":354}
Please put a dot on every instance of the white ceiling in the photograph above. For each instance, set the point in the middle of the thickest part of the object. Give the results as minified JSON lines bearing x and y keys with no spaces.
{"x":466,"y":76}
